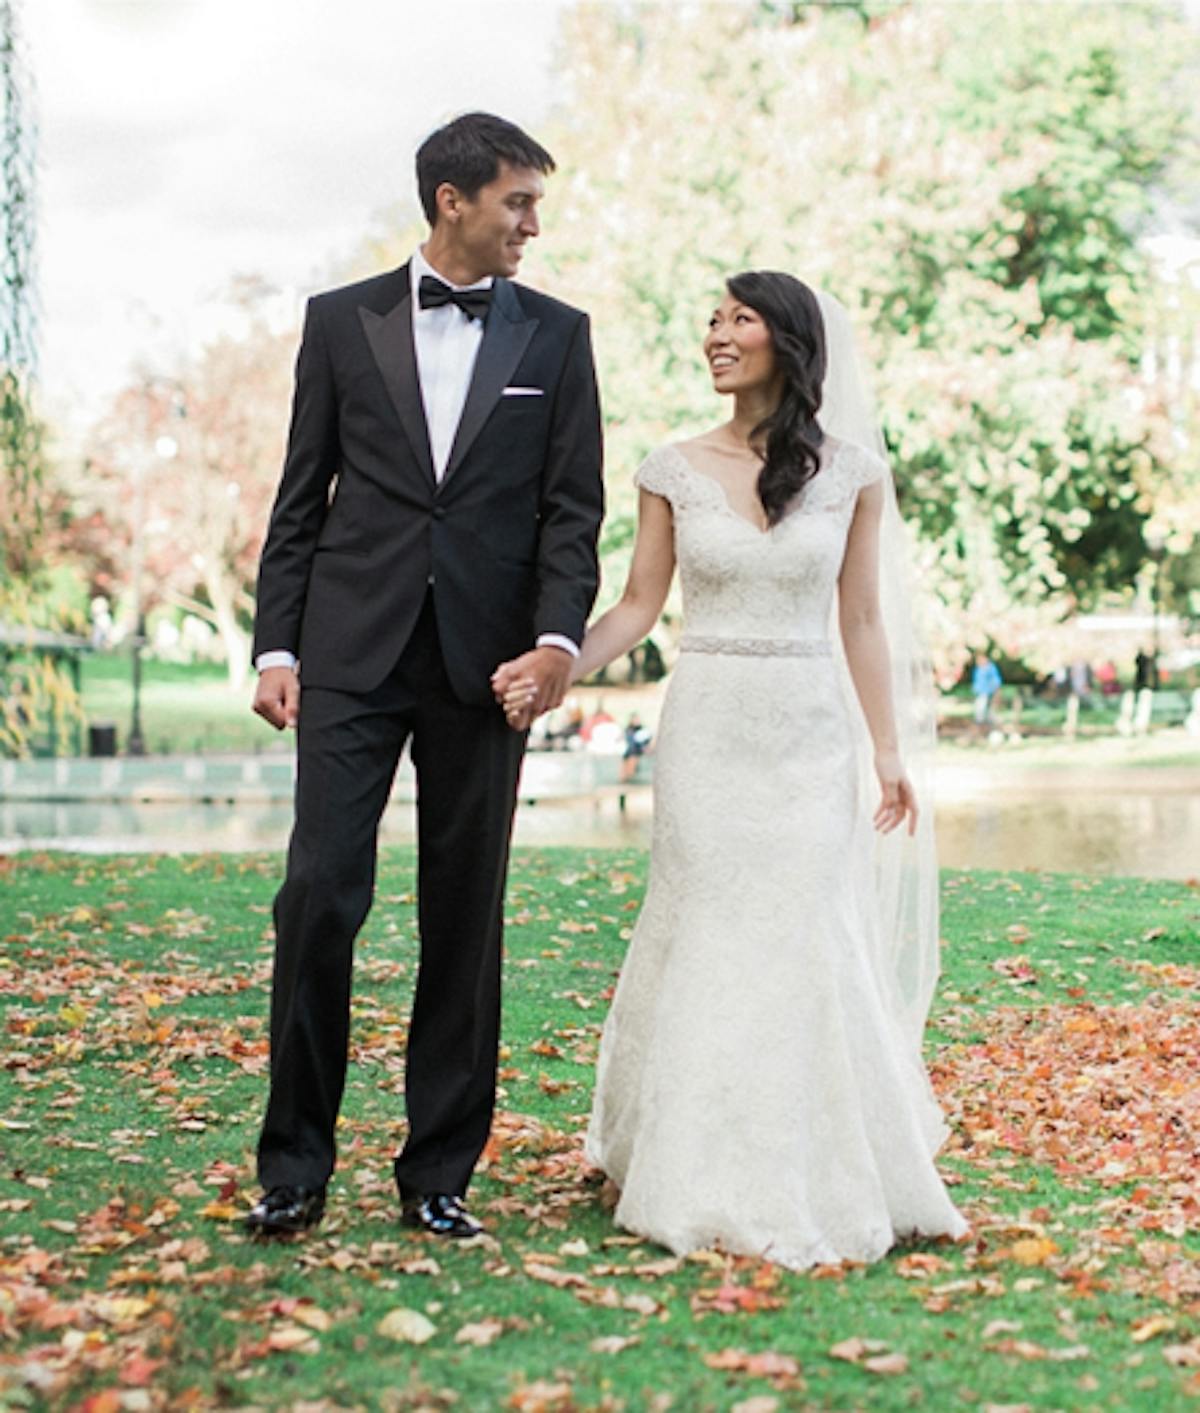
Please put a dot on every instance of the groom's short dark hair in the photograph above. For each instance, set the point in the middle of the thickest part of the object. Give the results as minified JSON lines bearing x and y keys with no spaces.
{"x":467,"y":153}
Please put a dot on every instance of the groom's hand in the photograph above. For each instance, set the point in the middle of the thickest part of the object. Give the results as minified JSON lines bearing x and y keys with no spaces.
{"x":277,"y":696}
{"x":547,"y":670}
{"x":514,"y":694}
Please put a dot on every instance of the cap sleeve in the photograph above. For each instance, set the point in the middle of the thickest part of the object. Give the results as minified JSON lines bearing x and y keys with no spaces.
{"x":666,"y":472}
{"x":659,"y":473}
{"x":865,"y":468}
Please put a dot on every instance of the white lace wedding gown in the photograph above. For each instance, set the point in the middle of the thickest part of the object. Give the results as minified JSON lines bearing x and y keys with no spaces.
{"x":753,"y":1090}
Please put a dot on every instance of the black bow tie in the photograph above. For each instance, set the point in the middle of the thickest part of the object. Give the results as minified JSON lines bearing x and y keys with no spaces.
{"x":474,"y":303}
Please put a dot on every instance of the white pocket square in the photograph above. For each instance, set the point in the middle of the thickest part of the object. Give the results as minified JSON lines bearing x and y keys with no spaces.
{"x":523,"y":392}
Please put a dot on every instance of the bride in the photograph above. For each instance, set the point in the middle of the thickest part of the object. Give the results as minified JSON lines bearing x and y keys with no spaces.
{"x":760,"y":1084}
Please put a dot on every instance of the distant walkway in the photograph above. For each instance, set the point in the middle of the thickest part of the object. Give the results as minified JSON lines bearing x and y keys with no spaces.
{"x":1010,"y":808}
{"x":547,"y":776}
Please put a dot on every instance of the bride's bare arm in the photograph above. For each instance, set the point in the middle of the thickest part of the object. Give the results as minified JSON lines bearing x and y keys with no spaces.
{"x":636,"y":612}
{"x":629,"y":619}
{"x":860,"y":622}
{"x":867,"y":656}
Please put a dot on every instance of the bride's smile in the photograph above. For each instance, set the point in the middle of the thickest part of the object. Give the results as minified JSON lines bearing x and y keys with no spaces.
{"x":739,"y":349}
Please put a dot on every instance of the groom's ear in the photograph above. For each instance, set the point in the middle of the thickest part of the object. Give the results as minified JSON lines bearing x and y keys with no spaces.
{"x":448,"y":203}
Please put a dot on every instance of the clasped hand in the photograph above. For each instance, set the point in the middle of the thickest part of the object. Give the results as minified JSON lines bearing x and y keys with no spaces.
{"x":531,"y":684}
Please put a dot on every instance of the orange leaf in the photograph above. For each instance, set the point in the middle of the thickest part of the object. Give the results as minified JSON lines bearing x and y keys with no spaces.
{"x":480,"y":1334}
{"x":764,"y":1365}
{"x":1032,"y":1250}
{"x":138,"y":1370}
{"x":109,"y":1401}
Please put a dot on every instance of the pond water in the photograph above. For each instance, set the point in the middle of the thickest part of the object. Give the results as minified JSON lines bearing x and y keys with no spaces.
{"x":1150,"y":832}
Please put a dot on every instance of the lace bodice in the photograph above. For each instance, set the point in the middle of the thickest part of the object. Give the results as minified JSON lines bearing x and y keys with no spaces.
{"x":746,"y":583}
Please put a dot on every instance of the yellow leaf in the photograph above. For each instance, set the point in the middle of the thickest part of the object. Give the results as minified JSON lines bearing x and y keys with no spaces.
{"x":920,"y":1263}
{"x":612,"y":1344}
{"x":999,"y":1327}
{"x":406,"y":1326}
{"x":1151,"y":1326}
{"x":540,"y":1271}
{"x":420,"y":1266}
{"x":74,"y":1013}
{"x":293,"y":1338}
{"x":220,"y":1211}
{"x":541,"y":1396}
{"x":1183,"y":1356}
{"x":312,"y":1317}
{"x":1032,"y":1250}
{"x":894,"y":1363}
{"x":854,"y":1350}
{"x":121,"y":1309}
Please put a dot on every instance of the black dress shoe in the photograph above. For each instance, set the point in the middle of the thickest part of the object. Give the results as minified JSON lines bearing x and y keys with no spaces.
{"x":283,"y":1210}
{"x":440,"y":1214}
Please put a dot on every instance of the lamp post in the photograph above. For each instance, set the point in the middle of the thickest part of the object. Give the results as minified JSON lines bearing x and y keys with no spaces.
{"x":1156,"y":547}
{"x":164,"y":449}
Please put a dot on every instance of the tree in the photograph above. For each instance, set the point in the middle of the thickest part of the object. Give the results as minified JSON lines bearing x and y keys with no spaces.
{"x":20,"y":449}
{"x":1171,"y":380}
{"x":972,"y":181}
{"x":37,"y":698}
{"x":180,"y":477}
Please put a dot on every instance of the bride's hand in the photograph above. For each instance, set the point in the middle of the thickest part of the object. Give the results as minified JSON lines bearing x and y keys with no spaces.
{"x":520,"y":702}
{"x":899,"y":800}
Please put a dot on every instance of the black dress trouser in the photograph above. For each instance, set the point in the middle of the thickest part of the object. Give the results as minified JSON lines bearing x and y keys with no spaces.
{"x":467,"y":762}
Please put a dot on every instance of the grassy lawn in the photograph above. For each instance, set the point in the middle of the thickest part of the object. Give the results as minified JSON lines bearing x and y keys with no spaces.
{"x":1064,"y":1048}
{"x":185,"y":709}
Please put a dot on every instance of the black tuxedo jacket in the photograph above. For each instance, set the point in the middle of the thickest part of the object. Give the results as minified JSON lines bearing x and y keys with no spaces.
{"x":360,"y":526}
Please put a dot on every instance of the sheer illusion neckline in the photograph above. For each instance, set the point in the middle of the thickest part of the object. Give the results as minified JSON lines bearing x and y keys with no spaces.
{"x":764,"y":532}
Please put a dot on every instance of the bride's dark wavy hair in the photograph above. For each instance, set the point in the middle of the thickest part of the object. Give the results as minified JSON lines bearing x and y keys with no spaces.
{"x":791,"y":436}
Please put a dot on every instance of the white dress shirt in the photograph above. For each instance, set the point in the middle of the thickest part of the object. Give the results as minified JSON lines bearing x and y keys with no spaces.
{"x":447,"y":344}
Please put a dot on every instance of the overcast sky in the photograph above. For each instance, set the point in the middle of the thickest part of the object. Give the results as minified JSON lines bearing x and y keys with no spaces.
{"x":184,"y":142}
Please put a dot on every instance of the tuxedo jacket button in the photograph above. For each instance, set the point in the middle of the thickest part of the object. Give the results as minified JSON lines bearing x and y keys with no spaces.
{"x":439,"y":512}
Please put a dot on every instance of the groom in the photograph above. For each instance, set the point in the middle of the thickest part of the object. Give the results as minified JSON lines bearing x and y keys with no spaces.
{"x":437,"y":515}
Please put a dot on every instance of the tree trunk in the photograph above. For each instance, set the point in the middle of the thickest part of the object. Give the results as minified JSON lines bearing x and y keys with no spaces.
{"x":234,"y":637}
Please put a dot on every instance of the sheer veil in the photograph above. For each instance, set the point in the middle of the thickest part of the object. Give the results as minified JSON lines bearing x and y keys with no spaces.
{"x":905,"y":868}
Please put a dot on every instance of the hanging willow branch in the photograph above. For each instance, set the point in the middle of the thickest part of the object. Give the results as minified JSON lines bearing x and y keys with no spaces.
{"x":37,"y":699}
{"x":20,"y":443}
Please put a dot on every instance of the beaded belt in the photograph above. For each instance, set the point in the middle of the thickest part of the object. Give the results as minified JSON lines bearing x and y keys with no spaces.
{"x":756,"y":647}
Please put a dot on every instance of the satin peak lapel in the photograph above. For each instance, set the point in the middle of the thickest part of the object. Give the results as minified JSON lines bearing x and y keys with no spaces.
{"x":506,"y":336}
{"x":391,"y":338}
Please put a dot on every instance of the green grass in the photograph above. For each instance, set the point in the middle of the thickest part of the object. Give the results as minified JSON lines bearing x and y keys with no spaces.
{"x":191,"y":708}
{"x":185,"y":708}
{"x":1041,"y":714}
{"x":135,"y":998}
